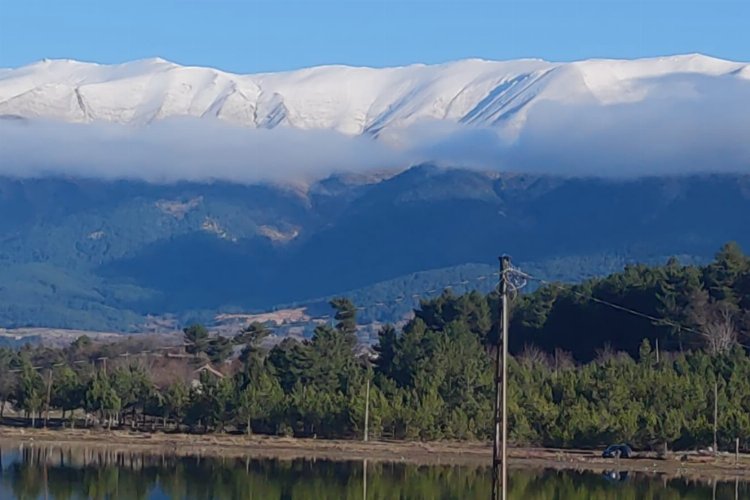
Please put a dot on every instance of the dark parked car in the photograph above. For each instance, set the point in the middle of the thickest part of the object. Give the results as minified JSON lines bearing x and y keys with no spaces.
{"x":618,"y":451}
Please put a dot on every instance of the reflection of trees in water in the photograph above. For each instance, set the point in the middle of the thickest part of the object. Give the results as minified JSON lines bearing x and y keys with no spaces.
{"x":587,"y":486}
{"x":72,"y":473}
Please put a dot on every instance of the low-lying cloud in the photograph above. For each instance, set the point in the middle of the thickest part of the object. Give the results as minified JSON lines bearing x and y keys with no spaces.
{"x":183,"y":149}
{"x":680,"y":129}
{"x":686,"y":125}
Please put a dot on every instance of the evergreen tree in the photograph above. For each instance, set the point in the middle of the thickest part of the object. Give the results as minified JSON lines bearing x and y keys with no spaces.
{"x":196,"y":339}
{"x":30,"y":390}
{"x":69,"y":390}
{"x":261,"y":399}
{"x":346,"y":316}
{"x":102,"y":397}
{"x":7,"y":378}
{"x":176,"y":401}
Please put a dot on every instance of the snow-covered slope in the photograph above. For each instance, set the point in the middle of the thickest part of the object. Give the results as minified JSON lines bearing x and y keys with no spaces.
{"x":351,"y":100}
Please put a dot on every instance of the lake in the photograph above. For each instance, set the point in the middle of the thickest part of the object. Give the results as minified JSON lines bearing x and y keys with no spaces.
{"x":52,"y":472}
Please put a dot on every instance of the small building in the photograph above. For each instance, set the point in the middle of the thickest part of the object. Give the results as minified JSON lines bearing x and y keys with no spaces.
{"x":207,"y":368}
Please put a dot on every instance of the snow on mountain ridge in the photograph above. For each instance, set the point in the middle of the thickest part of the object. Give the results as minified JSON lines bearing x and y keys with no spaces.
{"x":351,"y":100}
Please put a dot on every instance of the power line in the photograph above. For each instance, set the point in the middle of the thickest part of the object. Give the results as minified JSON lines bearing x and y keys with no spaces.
{"x":465,"y":283}
{"x":515,"y":278}
{"x":156,"y":350}
{"x":656,"y":319}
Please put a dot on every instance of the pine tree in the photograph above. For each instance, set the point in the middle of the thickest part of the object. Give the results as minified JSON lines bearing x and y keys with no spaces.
{"x":30,"y":390}
{"x":196,"y":339}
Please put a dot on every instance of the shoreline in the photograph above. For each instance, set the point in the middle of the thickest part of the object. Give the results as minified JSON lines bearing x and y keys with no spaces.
{"x":459,"y":453}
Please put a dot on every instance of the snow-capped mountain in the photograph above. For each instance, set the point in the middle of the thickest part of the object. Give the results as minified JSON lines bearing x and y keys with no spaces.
{"x":351,"y":100}
{"x":117,"y":224}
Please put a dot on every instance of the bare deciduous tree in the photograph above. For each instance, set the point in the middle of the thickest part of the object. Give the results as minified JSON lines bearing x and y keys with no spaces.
{"x":716,"y":322}
{"x":562,"y":360}
{"x":721,"y":332}
{"x":532,"y":356}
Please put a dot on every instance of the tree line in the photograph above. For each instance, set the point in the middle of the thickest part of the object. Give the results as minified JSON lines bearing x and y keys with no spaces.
{"x":432,"y":378}
{"x":713,"y":299}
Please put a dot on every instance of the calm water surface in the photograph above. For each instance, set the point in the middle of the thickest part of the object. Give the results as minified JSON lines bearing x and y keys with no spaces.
{"x":79,"y":473}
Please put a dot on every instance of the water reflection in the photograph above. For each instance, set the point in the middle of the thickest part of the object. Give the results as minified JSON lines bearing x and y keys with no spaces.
{"x":73,"y":473}
{"x":616,"y":475}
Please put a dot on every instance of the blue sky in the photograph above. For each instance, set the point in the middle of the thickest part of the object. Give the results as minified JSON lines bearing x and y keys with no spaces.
{"x":270,"y":35}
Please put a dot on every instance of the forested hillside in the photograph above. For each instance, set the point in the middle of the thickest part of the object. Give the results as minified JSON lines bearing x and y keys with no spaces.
{"x":433,"y":378}
{"x":691,"y":306}
{"x":114,"y":255}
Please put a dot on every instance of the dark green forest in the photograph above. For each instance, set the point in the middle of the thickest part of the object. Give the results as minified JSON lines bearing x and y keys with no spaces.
{"x":133,"y":256}
{"x":583,"y":373}
{"x":713,"y":300}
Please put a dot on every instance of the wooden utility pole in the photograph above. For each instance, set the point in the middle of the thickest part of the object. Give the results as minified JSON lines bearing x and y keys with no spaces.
{"x":736,"y":451}
{"x":716,"y":415}
{"x":49,"y":395}
{"x":367,"y":410}
{"x":657,"y":351}
{"x":500,"y":449}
